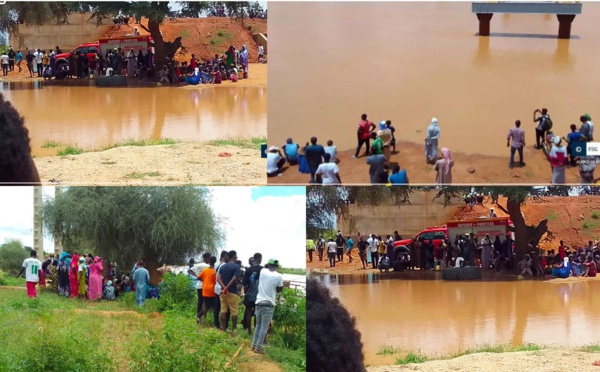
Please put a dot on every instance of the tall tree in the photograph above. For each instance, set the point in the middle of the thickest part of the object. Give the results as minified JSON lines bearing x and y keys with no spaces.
{"x":34,"y":13}
{"x":324,"y":204}
{"x":161,"y":225}
{"x":12,"y":254}
{"x":156,"y":12}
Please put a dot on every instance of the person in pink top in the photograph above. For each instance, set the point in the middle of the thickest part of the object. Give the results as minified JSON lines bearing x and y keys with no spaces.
{"x":95,"y":282}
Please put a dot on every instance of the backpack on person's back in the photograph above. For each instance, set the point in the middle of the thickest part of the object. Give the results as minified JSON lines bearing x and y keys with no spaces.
{"x":546,"y":123}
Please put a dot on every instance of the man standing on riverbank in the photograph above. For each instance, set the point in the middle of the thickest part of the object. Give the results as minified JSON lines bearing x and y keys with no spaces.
{"x":314,"y":157}
{"x":11,"y":58}
{"x":320,"y":247}
{"x":349,"y":246}
{"x":270,"y":283}
{"x":141,"y":277}
{"x":365,"y":127}
{"x":517,"y":135}
{"x":544,"y":125}
{"x":339,"y":240}
{"x":227,"y":278}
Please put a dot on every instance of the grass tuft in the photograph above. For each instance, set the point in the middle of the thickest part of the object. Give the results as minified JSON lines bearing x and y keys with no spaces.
{"x":591,"y":349}
{"x":51,"y":144}
{"x":388,"y":350}
{"x":587,"y":225}
{"x":247,"y":143}
{"x":70,"y":150}
{"x":552,"y":215}
{"x":411,"y":358}
{"x":595,"y":215}
{"x":137,"y":176}
{"x":145,"y":142}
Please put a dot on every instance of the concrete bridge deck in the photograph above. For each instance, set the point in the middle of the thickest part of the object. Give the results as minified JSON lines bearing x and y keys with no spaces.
{"x":565,"y":13}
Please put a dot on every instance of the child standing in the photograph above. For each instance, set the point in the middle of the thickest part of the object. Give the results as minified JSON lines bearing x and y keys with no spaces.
{"x":32,"y":267}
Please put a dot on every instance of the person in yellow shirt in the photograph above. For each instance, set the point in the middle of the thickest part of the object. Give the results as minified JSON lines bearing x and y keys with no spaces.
{"x":310,"y":248}
{"x":382,"y":249}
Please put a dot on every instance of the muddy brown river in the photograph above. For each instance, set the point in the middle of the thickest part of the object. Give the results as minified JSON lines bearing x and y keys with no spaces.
{"x":92,"y":117}
{"x":409,"y":62}
{"x":439,"y":317}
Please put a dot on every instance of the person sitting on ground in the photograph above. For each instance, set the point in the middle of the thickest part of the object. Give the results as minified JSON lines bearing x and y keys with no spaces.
{"x":592,"y":270}
{"x":332,"y":151}
{"x":163,"y":76}
{"x":525,"y":267}
{"x":384,"y":263}
{"x":109,"y":291}
{"x":329,"y":171}
{"x":217,"y":76}
{"x":274,"y":162}
{"x":16,"y":163}
{"x":329,"y":323}
{"x":290,"y":149}
{"x":398,"y":177}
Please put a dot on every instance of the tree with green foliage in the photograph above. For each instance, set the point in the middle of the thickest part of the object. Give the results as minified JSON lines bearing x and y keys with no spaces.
{"x":324,"y":204}
{"x":160,"y":225}
{"x":12,"y":254}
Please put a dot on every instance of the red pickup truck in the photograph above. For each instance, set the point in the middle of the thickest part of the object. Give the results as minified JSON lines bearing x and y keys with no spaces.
{"x":88,"y":48}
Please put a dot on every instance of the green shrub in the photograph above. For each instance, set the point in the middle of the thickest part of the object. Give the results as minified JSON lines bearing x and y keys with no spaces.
{"x":12,"y":255}
{"x":290,"y":319}
{"x":177,"y":293}
{"x":70,"y":150}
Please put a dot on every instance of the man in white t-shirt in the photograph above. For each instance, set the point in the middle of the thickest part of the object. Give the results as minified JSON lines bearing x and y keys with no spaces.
{"x":32,"y":267}
{"x":195,"y":271}
{"x":329,"y":171}
{"x":4,"y":60}
{"x":275,"y":162}
{"x":270,"y":282}
{"x":331,"y":252}
{"x":373,"y":247}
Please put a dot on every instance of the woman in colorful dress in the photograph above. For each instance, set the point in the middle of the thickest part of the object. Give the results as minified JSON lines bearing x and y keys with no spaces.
{"x":81,"y":276}
{"x":63,"y":276}
{"x":73,"y":271}
{"x":95,"y":282}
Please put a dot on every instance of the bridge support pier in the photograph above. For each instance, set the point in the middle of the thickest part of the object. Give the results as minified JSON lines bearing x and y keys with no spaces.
{"x":484,"y":23}
{"x":564,"y":25}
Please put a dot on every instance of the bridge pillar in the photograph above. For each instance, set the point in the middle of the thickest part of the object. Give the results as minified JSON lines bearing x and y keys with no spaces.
{"x":484,"y":23}
{"x":564,"y":25}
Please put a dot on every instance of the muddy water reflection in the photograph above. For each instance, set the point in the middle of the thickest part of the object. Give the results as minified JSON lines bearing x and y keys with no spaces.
{"x":438,"y":317}
{"x":93,"y":117}
{"x":411,"y":61}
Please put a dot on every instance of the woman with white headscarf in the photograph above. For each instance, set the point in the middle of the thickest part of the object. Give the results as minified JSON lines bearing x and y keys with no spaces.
{"x":131,"y":63}
{"x":443,"y":166}
{"x":431,"y":142}
{"x":244,"y":60}
{"x":558,"y":159}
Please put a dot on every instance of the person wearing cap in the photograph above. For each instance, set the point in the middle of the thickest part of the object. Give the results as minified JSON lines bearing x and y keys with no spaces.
{"x":493,"y":213}
{"x":274,"y":162}
{"x":290,"y":149}
{"x":365,"y":127}
{"x":385,"y":135}
{"x":269,"y":284}
{"x":558,"y":159}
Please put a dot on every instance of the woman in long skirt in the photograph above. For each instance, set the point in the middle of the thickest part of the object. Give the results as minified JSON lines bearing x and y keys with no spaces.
{"x":431,"y":142}
{"x":73,"y":270}
{"x":63,"y":276}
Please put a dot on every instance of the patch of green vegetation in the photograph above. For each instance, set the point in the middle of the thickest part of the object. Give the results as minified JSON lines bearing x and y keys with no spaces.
{"x":528,"y":174}
{"x":137,"y":176}
{"x":214,"y":41}
{"x":292,"y":271}
{"x":552,"y":215}
{"x":108,"y":162}
{"x":185,"y":33}
{"x":505,"y":348}
{"x":248,"y":143}
{"x":145,"y":142}
{"x":51,"y":144}
{"x":70,"y":150}
{"x":224,"y":34}
{"x":588,"y":225}
{"x":11,"y":281}
{"x":388,"y":350}
{"x":411,"y":358}
{"x":595,"y":215}
{"x":591,"y":349}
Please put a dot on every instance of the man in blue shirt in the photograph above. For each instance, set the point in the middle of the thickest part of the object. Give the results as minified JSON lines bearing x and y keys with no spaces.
{"x":349,"y":246}
{"x":573,"y":137}
{"x":398,"y":177}
{"x":290,"y":149}
{"x":227,"y":278}
{"x":314,"y":156}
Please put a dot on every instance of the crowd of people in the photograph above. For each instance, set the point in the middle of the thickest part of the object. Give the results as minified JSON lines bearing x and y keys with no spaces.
{"x":561,"y":156}
{"x":86,"y":277}
{"x":220,"y":285}
{"x":36,"y":60}
{"x":488,"y":253}
{"x":380,"y":144}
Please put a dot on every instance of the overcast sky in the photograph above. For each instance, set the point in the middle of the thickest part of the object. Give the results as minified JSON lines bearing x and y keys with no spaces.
{"x":269,"y":220}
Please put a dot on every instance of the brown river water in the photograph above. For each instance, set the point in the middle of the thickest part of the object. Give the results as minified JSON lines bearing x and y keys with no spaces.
{"x":92,"y":117}
{"x":409,"y":62}
{"x":436,"y":317}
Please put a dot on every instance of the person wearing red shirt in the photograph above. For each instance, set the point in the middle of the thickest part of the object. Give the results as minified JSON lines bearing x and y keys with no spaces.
{"x":561,"y":250}
{"x":365,"y":127}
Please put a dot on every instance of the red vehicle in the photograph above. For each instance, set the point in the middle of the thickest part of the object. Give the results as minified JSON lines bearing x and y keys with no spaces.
{"x":436,"y":233}
{"x":88,"y":48}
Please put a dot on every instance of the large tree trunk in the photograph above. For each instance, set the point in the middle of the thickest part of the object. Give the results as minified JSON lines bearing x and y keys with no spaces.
{"x":523,"y":233}
{"x":151,"y":265}
{"x":159,"y":45}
